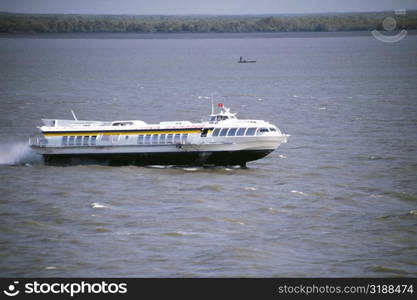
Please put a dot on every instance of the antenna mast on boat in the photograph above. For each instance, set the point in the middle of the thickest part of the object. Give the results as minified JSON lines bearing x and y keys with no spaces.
{"x":73,"y":114}
{"x":212,"y":105}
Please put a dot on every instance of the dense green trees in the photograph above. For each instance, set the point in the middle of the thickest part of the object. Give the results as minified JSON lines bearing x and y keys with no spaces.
{"x":25,"y":23}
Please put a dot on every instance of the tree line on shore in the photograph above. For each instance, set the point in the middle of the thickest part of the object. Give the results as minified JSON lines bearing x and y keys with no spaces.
{"x":40,"y":23}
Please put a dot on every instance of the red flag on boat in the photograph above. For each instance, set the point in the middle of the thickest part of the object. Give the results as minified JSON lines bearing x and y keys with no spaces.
{"x":220,"y":105}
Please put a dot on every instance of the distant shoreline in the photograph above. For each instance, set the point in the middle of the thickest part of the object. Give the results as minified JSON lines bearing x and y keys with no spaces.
{"x":188,"y":35}
{"x":148,"y":26}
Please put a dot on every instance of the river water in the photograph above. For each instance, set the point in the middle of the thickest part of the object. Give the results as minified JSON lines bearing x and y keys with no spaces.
{"x":339,"y":199}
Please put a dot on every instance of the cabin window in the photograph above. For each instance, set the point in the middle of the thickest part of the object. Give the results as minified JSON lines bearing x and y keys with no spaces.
{"x":115,"y":137}
{"x":71,"y":140}
{"x":241,"y":132}
{"x":155,"y":139}
{"x":162,"y":139}
{"x":78,"y":140}
{"x":169,"y":138}
{"x":223,"y":132}
{"x":251,"y":131}
{"x":85,"y":140}
{"x":64,"y":141}
{"x":261,"y":131}
{"x":177,"y":138}
{"x":105,"y":138}
{"x":147,"y":139}
{"x":140,"y":139}
{"x":93,"y":140}
{"x":122,"y":124}
{"x":216,"y":132}
{"x":204,"y":132}
{"x":272,"y":129}
{"x":232,"y":132}
{"x":184,"y":138}
{"x":222,"y":118}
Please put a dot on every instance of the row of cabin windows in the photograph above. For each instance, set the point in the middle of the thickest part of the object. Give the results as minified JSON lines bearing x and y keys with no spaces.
{"x":147,"y":139}
{"x":78,"y":140}
{"x":153,"y":139}
{"x":241,"y":131}
{"x":114,"y":138}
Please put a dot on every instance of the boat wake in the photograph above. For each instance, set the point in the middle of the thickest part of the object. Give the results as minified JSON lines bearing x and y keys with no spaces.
{"x":18,"y":153}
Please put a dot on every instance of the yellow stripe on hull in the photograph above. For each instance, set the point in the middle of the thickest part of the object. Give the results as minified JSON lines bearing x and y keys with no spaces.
{"x":118,"y":133}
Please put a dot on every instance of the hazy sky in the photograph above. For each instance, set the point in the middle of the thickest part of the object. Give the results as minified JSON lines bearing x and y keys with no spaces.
{"x":201,"y":6}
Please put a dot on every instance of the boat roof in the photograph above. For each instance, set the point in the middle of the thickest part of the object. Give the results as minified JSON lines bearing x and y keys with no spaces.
{"x":223,"y":117}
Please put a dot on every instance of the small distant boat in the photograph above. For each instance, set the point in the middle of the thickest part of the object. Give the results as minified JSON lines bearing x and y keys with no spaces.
{"x":244,"y":61}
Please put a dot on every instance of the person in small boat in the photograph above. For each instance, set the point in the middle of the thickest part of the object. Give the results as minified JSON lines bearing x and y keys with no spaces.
{"x":241,"y":59}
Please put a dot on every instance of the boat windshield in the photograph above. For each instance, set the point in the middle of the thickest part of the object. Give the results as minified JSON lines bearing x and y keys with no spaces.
{"x":218,"y":118}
